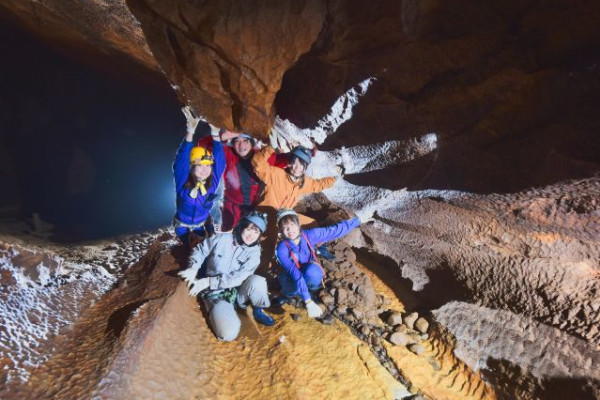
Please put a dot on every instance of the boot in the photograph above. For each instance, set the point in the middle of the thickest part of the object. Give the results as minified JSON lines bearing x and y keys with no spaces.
{"x":262,"y":318}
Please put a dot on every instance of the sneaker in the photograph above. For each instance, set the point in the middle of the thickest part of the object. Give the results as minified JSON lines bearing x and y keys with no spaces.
{"x":323,"y":252}
{"x":262,"y":318}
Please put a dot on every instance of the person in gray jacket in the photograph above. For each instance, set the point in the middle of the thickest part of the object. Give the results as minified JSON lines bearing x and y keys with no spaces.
{"x":230,"y":259}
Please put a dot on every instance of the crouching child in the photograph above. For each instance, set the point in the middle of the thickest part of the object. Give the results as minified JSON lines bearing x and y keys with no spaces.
{"x":230,"y":260}
{"x":301,"y":271}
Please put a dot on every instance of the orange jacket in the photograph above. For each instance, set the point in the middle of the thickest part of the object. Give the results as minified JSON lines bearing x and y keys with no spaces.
{"x":280,"y":191}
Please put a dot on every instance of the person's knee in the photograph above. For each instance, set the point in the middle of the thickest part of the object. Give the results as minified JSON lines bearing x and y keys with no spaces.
{"x":313,"y":275}
{"x":225,"y":322}
{"x":254,"y":283}
{"x":254,"y":288}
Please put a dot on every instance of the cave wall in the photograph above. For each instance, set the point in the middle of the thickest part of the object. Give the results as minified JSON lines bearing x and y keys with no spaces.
{"x":509,"y":89}
{"x":90,"y":29}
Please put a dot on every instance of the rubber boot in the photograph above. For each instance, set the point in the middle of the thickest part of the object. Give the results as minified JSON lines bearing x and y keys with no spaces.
{"x":262,"y":318}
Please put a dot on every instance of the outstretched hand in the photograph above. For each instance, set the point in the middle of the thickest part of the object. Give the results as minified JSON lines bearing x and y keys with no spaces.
{"x":313,"y":309}
{"x":199,"y":285}
{"x":191,"y":120}
{"x":365,"y":215}
{"x":228,"y":135}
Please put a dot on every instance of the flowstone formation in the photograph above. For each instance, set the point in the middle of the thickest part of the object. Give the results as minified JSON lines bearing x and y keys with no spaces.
{"x":467,"y":129}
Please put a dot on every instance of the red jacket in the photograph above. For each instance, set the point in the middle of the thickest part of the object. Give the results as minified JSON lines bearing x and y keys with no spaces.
{"x":242,"y":186}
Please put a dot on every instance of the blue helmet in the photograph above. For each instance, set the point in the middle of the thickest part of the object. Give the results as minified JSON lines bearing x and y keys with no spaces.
{"x":258,"y":219}
{"x":302,"y":153}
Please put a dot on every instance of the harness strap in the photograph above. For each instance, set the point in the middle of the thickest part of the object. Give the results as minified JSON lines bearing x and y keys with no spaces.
{"x":177,"y":222}
{"x":312,"y":253}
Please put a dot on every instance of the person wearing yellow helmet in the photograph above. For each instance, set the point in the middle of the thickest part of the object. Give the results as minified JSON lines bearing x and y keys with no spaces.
{"x":197,"y":172}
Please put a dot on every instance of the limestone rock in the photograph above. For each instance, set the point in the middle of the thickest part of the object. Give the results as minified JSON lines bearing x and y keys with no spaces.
{"x":410,"y":319}
{"x":400,"y":339}
{"x":421,"y":325}
{"x":416,"y":348}
{"x":395,"y":319}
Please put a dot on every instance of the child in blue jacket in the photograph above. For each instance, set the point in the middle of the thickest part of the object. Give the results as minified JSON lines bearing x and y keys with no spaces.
{"x":296,"y":255}
{"x":197,"y":173}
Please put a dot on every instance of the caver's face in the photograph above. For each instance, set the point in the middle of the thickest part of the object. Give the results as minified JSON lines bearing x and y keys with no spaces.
{"x":297,"y":168}
{"x":250,"y":234}
{"x":242,"y":146}
{"x":290,"y":230}
{"x":202,"y":172}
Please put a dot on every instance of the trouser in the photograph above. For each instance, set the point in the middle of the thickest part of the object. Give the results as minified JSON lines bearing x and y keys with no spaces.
{"x":183,"y":233}
{"x":312,"y":274}
{"x":223,"y":317}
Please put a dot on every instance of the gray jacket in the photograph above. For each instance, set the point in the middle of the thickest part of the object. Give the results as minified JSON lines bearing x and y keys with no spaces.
{"x":228,"y":263}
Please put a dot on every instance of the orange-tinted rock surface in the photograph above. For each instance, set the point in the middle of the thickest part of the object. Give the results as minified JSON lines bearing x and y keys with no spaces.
{"x":493,"y":235}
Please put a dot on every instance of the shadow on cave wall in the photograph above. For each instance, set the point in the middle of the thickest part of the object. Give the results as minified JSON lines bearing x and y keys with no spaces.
{"x":523,"y":113}
{"x":511,"y":382}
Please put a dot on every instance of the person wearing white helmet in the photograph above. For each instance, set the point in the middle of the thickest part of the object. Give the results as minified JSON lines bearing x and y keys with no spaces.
{"x":301,"y":271}
{"x":221,"y":270}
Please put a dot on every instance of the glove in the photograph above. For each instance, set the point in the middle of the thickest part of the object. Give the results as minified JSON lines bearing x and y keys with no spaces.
{"x":340,"y":170}
{"x":314,"y":311}
{"x":365,"y":215}
{"x":191,"y":120}
{"x":215,"y":132}
{"x":198,"y":285}
{"x":188,"y":275}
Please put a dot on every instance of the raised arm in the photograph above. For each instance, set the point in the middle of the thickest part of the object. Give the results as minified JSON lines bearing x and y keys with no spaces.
{"x":317,"y":185}
{"x":329,"y":233}
{"x":181,"y":165}
{"x":219,"y":161}
{"x":289,"y":266}
{"x":260,"y":162}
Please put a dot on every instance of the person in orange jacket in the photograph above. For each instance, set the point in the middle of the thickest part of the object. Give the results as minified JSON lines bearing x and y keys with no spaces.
{"x":282,"y":189}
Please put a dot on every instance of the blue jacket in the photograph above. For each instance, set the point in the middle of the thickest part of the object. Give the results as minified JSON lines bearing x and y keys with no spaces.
{"x":195,"y":211}
{"x":303,"y":253}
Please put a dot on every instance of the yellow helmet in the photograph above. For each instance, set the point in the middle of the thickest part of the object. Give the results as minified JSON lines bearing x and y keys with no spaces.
{"x":201,"y":156}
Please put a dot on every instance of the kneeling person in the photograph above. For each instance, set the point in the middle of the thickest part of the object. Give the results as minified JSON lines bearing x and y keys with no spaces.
{"x":296,"y":254}
{"x":231,"y":259}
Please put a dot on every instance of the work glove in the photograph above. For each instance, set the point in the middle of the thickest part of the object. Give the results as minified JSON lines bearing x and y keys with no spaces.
{"x":198,"y":285}
{"x":191,"y":120}
{"x":314,"y":311}
{"x":188,"y":275}
{"x":365,"y":215}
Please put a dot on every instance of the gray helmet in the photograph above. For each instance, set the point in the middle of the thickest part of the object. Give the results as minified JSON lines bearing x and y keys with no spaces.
{"x":243,"y":136}
{"x":258,"y":219}
{"x":284,"y":212}
{"x":302,"y":153}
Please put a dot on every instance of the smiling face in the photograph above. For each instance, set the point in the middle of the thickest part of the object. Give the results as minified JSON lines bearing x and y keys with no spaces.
{"x":242,"y":146}
{"x":202,"y":172}
{"x":297,"y":168}
{"x":290,"y":230}
{"x":250,"y":234}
